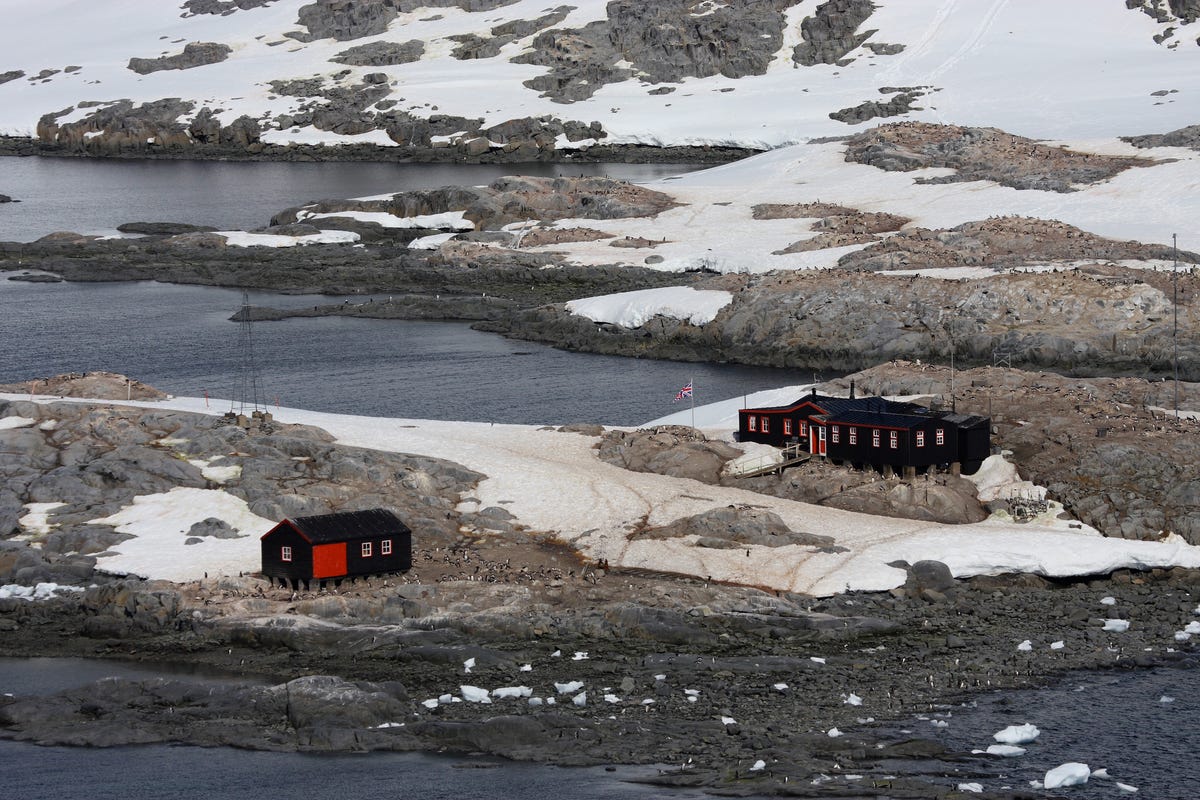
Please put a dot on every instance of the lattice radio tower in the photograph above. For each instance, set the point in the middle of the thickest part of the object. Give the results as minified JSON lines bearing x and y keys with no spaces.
{"x":246,"y":393}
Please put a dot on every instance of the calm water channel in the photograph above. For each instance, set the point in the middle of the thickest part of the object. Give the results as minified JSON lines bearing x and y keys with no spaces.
{"x":97,"y":195}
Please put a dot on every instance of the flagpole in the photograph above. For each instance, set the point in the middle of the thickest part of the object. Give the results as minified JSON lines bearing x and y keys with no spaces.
{"x":692,"y":383}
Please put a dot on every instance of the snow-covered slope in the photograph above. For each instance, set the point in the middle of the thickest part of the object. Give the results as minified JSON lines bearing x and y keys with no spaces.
{"x":1069,"y":69}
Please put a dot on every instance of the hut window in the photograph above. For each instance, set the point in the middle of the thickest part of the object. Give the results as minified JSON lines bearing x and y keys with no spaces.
{"x":285,"y":553}
{"x":787,"y":427}
{"x":804,"y":427}
{"x":766,"y":424}
{"x":941,"y":436}
{"x":752,"y":423}
{"x":366,"y":549}
{"x":875,"y":437}
{"x":894,"y":439}
{"x":385,"y":547}
{"x":920,"y":438}
{"x":853,"y":435}
{"x":835,"y":434}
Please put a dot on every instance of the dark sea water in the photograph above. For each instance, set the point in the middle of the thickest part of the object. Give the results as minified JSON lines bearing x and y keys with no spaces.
{"x":180,"y":339}
{"x":97,"y":195}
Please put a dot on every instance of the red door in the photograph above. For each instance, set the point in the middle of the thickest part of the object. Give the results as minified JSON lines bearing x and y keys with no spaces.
{"x":329,"y":560}
{"x":821,"y":440}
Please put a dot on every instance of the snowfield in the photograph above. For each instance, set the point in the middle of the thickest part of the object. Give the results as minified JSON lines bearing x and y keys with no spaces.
{"x":1102,"y":56}
{"x":553,"y":483}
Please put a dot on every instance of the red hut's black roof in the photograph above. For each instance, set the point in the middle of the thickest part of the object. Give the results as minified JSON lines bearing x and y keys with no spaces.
{"x":347,"y":525}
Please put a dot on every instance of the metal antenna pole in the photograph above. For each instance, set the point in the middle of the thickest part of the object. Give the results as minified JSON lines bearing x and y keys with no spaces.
{"x":1175,"y":303}
{"x":248,"y":393}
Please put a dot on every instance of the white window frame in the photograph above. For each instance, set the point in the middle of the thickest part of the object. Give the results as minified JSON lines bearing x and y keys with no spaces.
{"x":875,"y":437}
{"x":765,"y":425}
{"x":894,"y":439}
{"x":920,"y":438}
{"x":752,"y":422}
{"x":853,"y":435}
{"x":385,"y":547}
{"x":940,"y":437}
{"x":787,"y":427}
{"x":285,"y":553}
{"x":835,"y":434}
{"x":367,"y":550}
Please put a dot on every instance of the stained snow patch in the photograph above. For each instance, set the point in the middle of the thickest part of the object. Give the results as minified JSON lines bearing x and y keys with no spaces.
{"x":633,"y":309}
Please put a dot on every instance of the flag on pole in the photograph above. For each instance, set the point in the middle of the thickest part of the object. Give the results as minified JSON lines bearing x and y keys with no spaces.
{"x":684,"y":392}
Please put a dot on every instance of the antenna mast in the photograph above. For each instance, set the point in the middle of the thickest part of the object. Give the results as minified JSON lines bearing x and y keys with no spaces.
{"x":1175,"y":304}
{"x":247,"y":393}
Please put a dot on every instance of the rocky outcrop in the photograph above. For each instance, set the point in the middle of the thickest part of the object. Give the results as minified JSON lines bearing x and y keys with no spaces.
{"x":472,"y":46}
{"x":667,"y":450}
{"x":222,"y":7}
{"x":899,"y":104}
{"x":504,"y":201}
{"x":1182,"y":137}
{"x":982,"y":154}
{"x":999,"y":242}
{"x":381,"y":54}
{"x":734,"y":527}
{"x":662,"y":42}
{"x":99,"y":385}
{"x":195,"y":54}
{"x":345,"y":20}
{"x":832,"y":32}
{"x":11,"y":75}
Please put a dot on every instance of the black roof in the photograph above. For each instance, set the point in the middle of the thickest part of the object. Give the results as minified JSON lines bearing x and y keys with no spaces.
{"x":881,"y":419}
{"x":965,"y":421}
{"x":836,"y":406}
{"x":348,"y":525}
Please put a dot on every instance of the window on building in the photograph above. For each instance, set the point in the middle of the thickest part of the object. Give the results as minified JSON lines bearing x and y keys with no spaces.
{"x":285,"y":553}
{"x":804,"y":427}
{"x":366,"y":549}
{"x":875,"y":437}
{"x":920,"y":438}
{"x":787,"y":427}
{"x":766,"y":424}
{"x":940,"y":437}
{"x":853,"y":435}
{"x":894,"y":439}
{"x":835,"y":434}
{"x":752,"y":423}
{"x":385,"y":547}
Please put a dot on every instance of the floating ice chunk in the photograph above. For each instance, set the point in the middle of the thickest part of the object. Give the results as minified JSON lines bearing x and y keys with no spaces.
{"x":430,"y":703}
{"x":852,"y":699}
{"x":816,"y":659}
{"x":556,"y":654}
{"x":833,"y":733}
{"x":758,"y":766}
{"x":1100,"y":773}
{"x":728,"y":721}
{"x":474,"y":694}
{"x":692,"y":695}
{"x":648,"y":702}
{"x":568,"y":687}
{"x":660,"y":677}
{"x":1072,"y":773}
{"x":1025,"y":646}
{"x":1192,"y":628}
{"x":512,"y":691}
{"x":527,"y":668}
{"x":468,"y":664}
{"x":1116,"y":625}
{"x":865,"y":720}
{"x":1125,"y":787}
{"x":780,"y":687}
{"x":939,"y":723}
{"x":580,"y":655}
{"x":390,"y":725}
{"x":1108,"y":601}
{"x":550,"y":701}
{"x":1059,"y":645}
{"x":535,"y":701}
{"x":580,"y":699}
{"x":1017,"y":734}
{"x":970,"y":787}
{"x":611,"y":698}
{"x":1182,"y":636}
{"x":1166,"y":698}
{"x":1005,"y":750}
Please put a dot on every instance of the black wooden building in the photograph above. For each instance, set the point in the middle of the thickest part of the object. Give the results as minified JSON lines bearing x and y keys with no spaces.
{"x":334,"y":546}
{"x":871,"y":431}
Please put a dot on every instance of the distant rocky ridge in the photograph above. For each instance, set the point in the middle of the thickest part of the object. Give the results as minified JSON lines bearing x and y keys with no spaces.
{"x":195,"y":54}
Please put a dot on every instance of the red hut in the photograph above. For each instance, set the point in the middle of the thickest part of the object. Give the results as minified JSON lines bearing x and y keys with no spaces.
{"x":335,"y":546}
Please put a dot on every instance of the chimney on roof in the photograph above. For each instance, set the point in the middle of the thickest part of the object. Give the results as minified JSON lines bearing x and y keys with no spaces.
{"x":814,"y":391}
{"x":851,"y":390}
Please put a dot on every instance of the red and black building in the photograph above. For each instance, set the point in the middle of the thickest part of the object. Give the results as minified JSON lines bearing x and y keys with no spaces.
{"x":330,"y":547}
{"x":871,"y":431}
